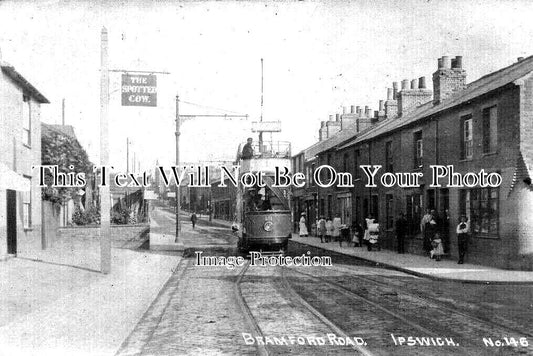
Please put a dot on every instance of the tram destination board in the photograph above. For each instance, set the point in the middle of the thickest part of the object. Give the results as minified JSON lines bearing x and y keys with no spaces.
{"x":139,"y":90}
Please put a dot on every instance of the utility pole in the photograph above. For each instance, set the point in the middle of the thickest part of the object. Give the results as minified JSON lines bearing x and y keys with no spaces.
{"x":105,"y":227}
{"x":178,"y":226}
{"x":261,"y":117}
{"x":127,"y":154}
{"x":63,"y":112}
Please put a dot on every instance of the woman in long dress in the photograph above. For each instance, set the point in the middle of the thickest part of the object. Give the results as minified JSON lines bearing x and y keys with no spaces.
{"x":303,"y":227}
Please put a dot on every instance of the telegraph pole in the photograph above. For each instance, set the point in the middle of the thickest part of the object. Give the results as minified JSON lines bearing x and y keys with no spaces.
{"x":105,"y":228}
{"x":178,"y":227}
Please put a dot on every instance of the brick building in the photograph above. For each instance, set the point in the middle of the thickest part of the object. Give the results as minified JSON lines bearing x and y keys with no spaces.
{"x":486,"y":124}
{"x":20,"y":149}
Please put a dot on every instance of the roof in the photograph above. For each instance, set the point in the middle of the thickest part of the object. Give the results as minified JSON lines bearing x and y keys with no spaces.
{"x":67,"y":130}
{"x":10,"y":71}
{"x":482,"y":86}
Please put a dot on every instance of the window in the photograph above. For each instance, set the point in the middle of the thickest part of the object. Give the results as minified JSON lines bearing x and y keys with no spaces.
{"x":490,"y":129}
{"x":345,"y":207}
{"x":418,"y":149}
{"x":388,"y":156}
{"x":375,"y":207}
{"x":389,"y":211}
{"x":345,"y":162}
{"x":26,"y":120}
{"x":357,"y":171}
{"x":466,"y":137}
{"x":26,"y":205}
{"x":481,"y":206}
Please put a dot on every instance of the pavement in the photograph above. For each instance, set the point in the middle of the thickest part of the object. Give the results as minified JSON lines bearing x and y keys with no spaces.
{"x":419,"y":265}
{"x":56,"y":302}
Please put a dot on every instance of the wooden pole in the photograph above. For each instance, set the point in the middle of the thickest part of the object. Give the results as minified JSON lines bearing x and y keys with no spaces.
{"x":105,"y":227}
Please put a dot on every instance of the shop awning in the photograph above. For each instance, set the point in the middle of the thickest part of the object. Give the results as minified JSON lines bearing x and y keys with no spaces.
{"x":12,"y":180}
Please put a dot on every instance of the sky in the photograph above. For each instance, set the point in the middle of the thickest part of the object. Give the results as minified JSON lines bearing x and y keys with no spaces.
{"x":318,"y":57}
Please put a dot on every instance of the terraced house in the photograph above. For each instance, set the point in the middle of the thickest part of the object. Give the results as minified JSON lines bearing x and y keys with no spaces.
{"x":486,"y":124}
{"x":20,"y":148}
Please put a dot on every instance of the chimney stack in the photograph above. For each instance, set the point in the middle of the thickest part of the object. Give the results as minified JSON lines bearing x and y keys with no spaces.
{"x":449,"y":78}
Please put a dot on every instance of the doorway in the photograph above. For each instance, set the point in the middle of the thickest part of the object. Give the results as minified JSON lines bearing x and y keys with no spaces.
{"x":11,"y":199}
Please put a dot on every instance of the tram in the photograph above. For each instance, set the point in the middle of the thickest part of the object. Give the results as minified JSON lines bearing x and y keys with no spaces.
{"x":263,"y":212}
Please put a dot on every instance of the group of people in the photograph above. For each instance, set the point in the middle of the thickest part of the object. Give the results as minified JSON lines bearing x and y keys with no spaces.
{"x":434,"y":229}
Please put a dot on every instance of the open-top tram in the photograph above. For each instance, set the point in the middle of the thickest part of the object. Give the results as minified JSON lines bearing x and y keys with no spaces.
{"x":263,"y":212}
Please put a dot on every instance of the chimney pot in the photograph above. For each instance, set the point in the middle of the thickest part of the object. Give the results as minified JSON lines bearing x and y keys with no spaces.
{"x":330,"y":117}
{"x":405,"y":84}
{"x":446,"y":62}
{"x":322,"y":124}
{"x":352,"y":109}
{"x":367,"y":111}
{"x":337,"y":117}
{"x":459,"y":62}
{"x":381,"y":105}
{"x":394,"y":90}
{"x":389,"y":94}
{"x":519,"y":59}
{"x":344,"y":110}
{"x":376,"y":113}
{"x":414,"y":84}
{"x":422,"y":83}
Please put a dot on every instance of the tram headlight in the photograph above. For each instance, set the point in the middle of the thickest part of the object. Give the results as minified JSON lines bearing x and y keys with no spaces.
{"x":268,"y":225}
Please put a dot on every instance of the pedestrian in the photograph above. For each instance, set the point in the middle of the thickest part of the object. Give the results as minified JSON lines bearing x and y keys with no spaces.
{"x":248,"y":150}
{"x":358,"y":233}
{"x":322,"y":229}
{"x":336,"y":227}
{"x":445,"y":231}
{"x":437,"y":250}
{"x":463,"y":230}
{"x":303,"y":226}
{"x":329,"y":229}
{"x":193,"y":219}
{"x":373,"y":232}
{"x":366,"y":238}
{"x":430,"y":229}
{"x":401,"y":231}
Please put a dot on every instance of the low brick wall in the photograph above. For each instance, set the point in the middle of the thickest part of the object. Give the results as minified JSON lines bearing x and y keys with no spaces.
{"x":118,"y":232}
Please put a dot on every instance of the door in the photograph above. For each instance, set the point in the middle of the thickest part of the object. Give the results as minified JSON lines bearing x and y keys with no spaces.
{"x":11,"y":199}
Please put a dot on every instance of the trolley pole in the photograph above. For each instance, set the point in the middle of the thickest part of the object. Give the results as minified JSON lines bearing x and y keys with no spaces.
{"x":105,"y":227}
{"x":178,"y":227}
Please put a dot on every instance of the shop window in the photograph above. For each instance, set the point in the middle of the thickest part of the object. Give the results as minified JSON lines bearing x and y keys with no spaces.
{"x":481,"y":206}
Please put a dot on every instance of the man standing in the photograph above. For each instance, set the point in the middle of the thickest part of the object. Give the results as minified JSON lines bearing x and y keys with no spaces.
{"x":193,"y":220}
{"x":401,"y":231}
{"x":248,"y":150}
{"x":463,"y":229}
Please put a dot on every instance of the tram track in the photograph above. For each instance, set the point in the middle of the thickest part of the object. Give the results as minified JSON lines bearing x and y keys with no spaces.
{"x":274,"y":310}
{"x":407,"y":289}
{"x":416,"y":316}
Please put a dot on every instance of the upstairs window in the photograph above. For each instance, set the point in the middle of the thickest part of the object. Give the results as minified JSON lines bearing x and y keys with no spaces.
{"x":357,"y":171}
{"x":466,"y":137}
{"x":26,"y":121}
{"x":490,"y":129}
{"x":418,"y":150}
{"x":388,"y":156}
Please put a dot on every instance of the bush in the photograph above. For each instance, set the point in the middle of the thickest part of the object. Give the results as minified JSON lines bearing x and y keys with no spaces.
{"x":120,"y":217}
{"x":90,"y":216}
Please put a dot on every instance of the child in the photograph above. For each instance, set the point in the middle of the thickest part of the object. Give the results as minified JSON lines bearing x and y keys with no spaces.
{"x":329,"y":229}
{"x":438,"y":250}
{"x":322,"y":228}
{"x":357,"y":234}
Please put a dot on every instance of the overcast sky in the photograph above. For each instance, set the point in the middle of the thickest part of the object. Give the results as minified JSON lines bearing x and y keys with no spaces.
{"x":318,"y":57}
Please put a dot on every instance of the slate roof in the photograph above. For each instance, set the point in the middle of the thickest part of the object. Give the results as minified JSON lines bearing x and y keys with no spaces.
{"x":483,"y":85}
{"x":10,"y":71}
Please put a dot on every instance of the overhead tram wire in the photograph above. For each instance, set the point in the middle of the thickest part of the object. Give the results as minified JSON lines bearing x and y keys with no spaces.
{"x":229,"y":112}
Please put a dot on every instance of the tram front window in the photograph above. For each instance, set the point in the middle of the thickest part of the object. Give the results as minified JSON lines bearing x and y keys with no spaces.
{"x":264,"y":199}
